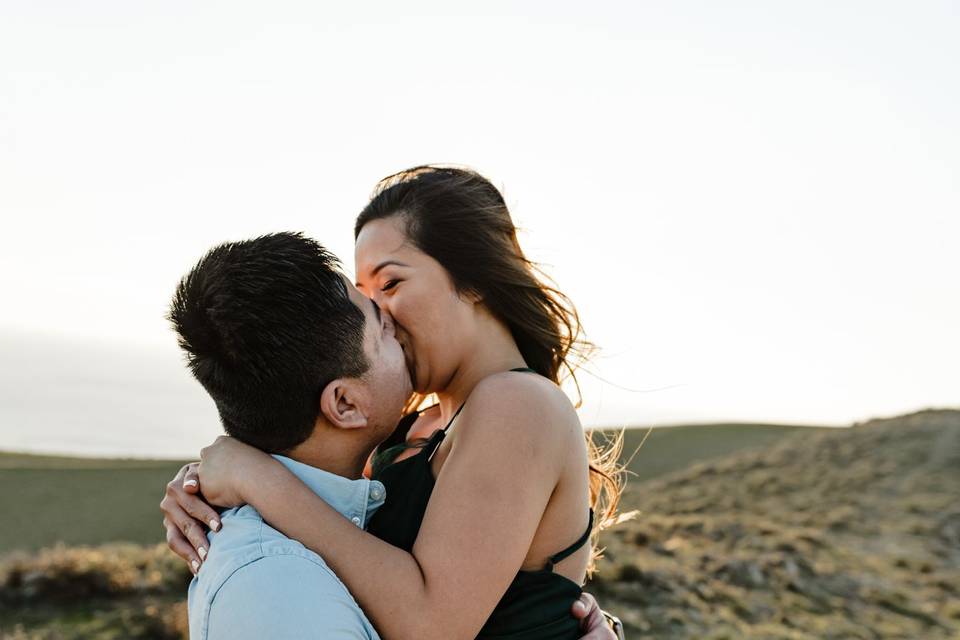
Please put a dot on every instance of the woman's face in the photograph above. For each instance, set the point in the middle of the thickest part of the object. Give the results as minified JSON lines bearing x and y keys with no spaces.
{"x":432,"y":322}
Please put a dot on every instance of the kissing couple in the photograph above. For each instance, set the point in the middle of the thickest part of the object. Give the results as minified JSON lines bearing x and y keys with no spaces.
{"x":343,"y":503}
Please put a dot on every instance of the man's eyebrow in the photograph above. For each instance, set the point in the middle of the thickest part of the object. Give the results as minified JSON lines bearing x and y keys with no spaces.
{"x":383,"y":264}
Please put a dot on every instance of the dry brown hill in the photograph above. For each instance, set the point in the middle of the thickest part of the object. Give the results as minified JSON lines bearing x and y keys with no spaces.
{"x":845,"y":533}
{"x":820,"y":533}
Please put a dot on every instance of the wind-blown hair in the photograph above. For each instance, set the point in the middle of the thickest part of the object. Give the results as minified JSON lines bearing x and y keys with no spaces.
{"x":266,"y":324}
{"x":457,"y":217}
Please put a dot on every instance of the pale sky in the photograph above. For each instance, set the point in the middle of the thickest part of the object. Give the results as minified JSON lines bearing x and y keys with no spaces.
{"x":755,"y":206}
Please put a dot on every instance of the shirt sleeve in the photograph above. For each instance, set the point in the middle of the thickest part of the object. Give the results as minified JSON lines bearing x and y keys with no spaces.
{"x":286,"y":596}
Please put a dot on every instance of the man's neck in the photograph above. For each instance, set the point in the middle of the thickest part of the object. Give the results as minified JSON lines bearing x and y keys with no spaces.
{"x":345,"y":459}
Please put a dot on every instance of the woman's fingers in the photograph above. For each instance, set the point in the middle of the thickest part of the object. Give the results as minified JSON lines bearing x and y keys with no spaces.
{"x":186,"y":517}
{"x":195,"y":532}
{"x":200,"y":511}
{"x":182,"y":472}
{"x":191,"y":478}
{"x":189,"y":527}
{"x":184,"y":489}
{"x":180,"y":546}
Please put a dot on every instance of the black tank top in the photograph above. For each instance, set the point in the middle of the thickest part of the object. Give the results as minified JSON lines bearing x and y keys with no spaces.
{"x":536,"y":605}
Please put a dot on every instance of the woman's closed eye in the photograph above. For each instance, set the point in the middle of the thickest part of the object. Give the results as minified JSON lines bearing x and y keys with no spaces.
{"x":390,"y":284}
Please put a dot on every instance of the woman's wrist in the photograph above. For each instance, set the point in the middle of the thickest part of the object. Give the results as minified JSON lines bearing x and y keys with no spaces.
{"x":255,"y":480}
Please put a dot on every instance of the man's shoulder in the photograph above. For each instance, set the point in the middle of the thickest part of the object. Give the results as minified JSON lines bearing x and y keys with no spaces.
{"x":283,"y":595}
{"x":280,"y":573}
{"x":255,"y":576}
{"x":243,"y":540}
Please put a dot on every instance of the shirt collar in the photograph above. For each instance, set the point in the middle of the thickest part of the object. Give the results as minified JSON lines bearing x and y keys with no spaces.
{"x":356,"y":500}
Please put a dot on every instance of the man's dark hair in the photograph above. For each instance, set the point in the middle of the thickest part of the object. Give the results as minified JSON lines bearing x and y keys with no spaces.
{"x":266,"y":324}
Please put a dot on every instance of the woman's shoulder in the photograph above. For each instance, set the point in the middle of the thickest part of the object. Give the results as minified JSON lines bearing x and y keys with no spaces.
{"x":511,"y":399}
{"x":523,"y":385}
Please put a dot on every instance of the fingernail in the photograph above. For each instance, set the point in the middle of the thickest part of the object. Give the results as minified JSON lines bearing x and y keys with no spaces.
{"x":195,"y":565}
{"x":203,"y":553}
{"x":189,"y":483}
{"x":214,"y":524}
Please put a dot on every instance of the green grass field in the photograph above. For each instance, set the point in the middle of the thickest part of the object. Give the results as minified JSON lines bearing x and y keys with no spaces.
{"x":85,"y":501}
{"x":49,"y":499}
{"x":744,"y":531}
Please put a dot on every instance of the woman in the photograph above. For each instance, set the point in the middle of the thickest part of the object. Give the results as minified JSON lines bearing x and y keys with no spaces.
{"x":491,"y":493}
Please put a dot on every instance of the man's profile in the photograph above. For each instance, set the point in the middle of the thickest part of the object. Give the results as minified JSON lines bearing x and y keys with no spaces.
{"x":301,"y":365}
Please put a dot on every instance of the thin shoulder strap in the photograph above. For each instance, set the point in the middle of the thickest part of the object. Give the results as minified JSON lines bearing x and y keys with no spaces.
{"x":554,"y":559}
{"x":442,"y":432}
{"x":524,"y":369}
{"x":456,"y":413}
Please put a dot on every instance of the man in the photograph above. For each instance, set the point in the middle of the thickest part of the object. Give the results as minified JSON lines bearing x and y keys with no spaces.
{"x":303,"y":366}
{"x":273,"y":331}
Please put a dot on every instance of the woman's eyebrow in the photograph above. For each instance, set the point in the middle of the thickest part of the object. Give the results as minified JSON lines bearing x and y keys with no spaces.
{"x":383,"y":264}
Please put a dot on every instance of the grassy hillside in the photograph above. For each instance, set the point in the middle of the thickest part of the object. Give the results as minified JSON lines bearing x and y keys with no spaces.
{"x":83,"y":501}
{"x":109,"y":592}
{"x":745,"y":531}
{"x":669,"y":449}
{"x":846,"y":533}
{"x":49,"y":499}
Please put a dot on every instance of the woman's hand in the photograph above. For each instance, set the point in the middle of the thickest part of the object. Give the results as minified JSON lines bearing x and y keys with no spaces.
{"x":186,"y":517}
{"x":223,"y":467}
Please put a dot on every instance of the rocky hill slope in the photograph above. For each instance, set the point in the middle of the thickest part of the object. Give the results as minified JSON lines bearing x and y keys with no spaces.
{"x":847,"y":533}
{"x":816,"y":534}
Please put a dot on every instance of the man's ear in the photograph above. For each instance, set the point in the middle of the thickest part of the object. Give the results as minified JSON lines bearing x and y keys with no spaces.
{"x":339,"y":404}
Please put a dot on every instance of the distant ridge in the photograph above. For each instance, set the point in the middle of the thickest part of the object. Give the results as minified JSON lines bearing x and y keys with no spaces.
{"x":671,"y":448}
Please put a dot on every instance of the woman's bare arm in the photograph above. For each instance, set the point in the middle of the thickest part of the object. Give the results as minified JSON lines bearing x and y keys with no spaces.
{"x":481,"y":518}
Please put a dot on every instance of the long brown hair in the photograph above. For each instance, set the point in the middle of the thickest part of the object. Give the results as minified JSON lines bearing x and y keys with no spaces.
{"x":457,"y":217}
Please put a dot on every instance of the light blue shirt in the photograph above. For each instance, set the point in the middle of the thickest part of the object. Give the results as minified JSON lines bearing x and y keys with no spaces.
{"x":258,"y":583}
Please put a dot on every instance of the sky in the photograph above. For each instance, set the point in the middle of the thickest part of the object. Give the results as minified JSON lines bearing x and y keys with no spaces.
{"x":755,"y":206}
